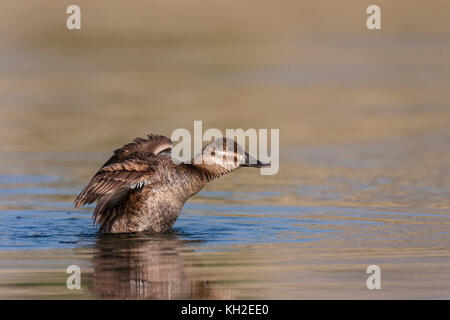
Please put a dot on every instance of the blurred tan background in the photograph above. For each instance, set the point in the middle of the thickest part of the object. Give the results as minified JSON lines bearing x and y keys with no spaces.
{"x":310,"y":68}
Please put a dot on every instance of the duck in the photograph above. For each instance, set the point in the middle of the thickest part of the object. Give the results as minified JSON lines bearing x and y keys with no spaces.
{"x":141,"y":187}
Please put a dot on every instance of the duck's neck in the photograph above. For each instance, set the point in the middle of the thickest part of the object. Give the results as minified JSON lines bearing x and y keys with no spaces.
{"x":199,"y":175}
{"x":210,"y":172}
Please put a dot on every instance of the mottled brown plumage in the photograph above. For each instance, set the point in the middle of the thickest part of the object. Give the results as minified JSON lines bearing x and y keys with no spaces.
{"x":140,"y":187}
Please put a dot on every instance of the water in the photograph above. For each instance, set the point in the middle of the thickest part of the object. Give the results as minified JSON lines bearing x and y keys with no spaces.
{"x":286,"y":238}
{"x":364,"y":174}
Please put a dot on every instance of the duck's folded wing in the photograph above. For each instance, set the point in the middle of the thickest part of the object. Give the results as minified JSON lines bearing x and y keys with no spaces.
{"x":129,"y":169}
{"x":154,"y":144}
{"x":113,"y":184}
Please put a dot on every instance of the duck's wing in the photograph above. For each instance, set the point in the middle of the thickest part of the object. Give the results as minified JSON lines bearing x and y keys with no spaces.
{"x":130,"y":174}
{"x":154,"y":144}
{"x":130,"y":168}
{"x":114,"y":183}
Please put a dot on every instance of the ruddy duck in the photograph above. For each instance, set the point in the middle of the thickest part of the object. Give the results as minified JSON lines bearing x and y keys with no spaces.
{"x":141,"y":188}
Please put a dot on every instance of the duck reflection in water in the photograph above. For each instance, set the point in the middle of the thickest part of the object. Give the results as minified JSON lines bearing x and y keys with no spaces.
{"x":148,"y":266}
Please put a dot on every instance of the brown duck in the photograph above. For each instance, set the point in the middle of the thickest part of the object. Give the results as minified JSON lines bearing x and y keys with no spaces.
{"x":141,"y":188}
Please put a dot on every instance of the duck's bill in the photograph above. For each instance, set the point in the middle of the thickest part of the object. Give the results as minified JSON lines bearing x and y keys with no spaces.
{"x":258,"y":164}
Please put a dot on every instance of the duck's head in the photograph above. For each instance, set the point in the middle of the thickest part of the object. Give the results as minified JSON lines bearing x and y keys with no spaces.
{"x":226,"y":153}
